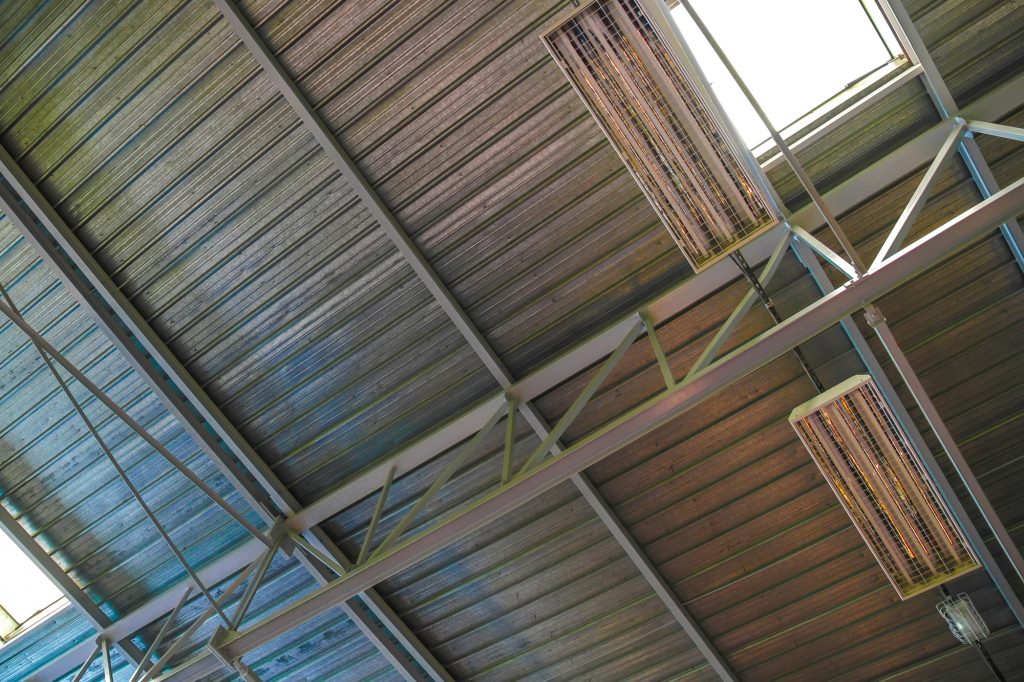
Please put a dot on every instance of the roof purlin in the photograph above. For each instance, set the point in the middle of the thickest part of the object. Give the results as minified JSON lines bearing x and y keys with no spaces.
{"x":460,"y":318}
{"x":656,"y":411}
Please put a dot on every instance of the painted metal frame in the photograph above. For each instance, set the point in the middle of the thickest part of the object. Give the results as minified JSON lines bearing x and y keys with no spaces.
{"x":848,"y":194}
{"x":916,"y":50}
{"x":482,"y":349}
{"x":229,"y":643}
{"x":641,"y":420}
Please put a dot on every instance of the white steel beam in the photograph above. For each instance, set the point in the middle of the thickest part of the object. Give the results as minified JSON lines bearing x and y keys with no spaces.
{"x":655,"y":412}
{"x":848,"y":194}
{"x":914,"y":47}
{"x":446,"y":300}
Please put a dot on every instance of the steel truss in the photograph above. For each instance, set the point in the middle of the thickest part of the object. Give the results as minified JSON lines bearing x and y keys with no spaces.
{"x":595,"y":349}
{"x":446,"y":301}
{"x":915,"y":49}
{"x":399,"y":550}
{"x":550,"y":463}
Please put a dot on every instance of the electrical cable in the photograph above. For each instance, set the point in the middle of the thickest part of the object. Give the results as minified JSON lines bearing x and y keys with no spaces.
{"x":769,"y":305}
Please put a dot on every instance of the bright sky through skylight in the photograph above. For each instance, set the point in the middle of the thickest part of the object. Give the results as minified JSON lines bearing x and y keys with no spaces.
{"x":24,"y":589}
{"x":794,"y":55}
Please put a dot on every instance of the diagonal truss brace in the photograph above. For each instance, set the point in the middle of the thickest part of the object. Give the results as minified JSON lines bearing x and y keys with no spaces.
{"x":916,"y":50}
{"x":953,"y":143}
{"x":742,"y":308}
{"x":643,"y":419}
{"x":390,"y":225}
{"x":45,"y":347}
{"x":102,"y":443}
{"x":912,"y":155}
{"x":822,"y":249}
{"x":158,"y":640}
{"x":917,"y":200}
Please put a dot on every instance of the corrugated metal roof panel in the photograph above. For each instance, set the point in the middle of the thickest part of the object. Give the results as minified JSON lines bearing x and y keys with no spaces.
{"x":279,"y":324}
{"x":23,"y":654}
{"x":57,"y":481}
{"x":152,"y":131}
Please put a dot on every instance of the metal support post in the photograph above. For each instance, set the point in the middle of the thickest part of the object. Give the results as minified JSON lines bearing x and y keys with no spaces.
{"x":426,"y":498}
{"x":254,"y":584}
{"x":742,"y":308}
{"x":191,"y":629}
{"x":510,"y":439}
{"x":659,"y":352}
{"x":108,"y":670}
{"x":920,"y":196}
{"x":595,"y":382}
{"x":85,"y":666}
{"x":378,"y":511}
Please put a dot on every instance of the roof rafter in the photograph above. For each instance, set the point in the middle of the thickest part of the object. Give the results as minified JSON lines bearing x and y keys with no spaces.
{"x":451,"y":307}
{"x":82,"y":276}
{"x":897,"y":164}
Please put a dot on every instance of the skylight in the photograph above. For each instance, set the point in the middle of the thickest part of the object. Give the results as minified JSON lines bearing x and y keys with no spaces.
{"x":794,"y":55}
{"x":25,"y":591}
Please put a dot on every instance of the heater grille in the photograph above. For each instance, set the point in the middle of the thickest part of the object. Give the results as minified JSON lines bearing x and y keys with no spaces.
{"x":867,"y":459}
{"x":661,"y":126}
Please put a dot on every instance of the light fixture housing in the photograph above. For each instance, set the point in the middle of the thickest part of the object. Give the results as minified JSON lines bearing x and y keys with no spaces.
{"x":869,"y":463}
{"x":663,"y":126}
{"x":963,"y":619}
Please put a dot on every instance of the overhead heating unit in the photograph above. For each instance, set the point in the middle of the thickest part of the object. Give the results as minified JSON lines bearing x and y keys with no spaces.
{"x":666,"y":131}
{"x":868,"y":461}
